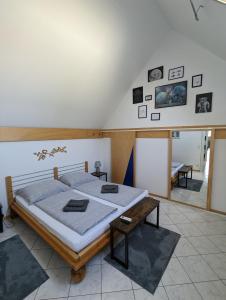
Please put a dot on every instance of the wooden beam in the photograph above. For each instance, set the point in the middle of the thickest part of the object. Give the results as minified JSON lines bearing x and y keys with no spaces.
{"x":211,"y":166}
{"x":220,"y":134}
{"x":14,"y":134}
{"x":160,"y":134}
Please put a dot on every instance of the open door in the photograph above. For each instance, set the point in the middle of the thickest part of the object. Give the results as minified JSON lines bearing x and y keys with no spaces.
{"x":122,"y":155}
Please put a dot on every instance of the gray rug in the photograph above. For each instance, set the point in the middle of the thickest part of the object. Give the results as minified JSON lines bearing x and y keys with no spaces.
{"x":193,"y":184}
{"x":20,"y":273}
{"x":150,"y":250}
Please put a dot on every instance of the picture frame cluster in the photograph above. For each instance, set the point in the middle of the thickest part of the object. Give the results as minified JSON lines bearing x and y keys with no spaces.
{"x":171,"y":94}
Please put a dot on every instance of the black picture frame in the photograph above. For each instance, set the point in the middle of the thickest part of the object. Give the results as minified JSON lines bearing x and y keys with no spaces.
{"x":198,"y":83}
{"x":203,"y":103}
{"x":148,"y":97}
{"x":138,"y":95}
{"x":169,"y":95}
{"x":155,"y":117}
{"x":176,"y":73}
{"x":156,"y":74}
{"x":142,"y":112}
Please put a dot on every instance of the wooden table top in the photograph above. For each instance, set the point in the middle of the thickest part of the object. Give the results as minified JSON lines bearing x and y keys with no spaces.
{"x":138,"y":213}
{"x":185,"y":169}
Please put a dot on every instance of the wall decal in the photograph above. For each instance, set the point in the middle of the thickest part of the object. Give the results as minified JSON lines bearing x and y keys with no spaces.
{"x":203,"y":103}
{"x":197,"y":80}
{"x":155,"y":116}
{"x":138,"y":95}
{"x":176,"y":73}
{"x":174,"y":94}
{"x":155,"y":74}
{"x":148,"y":97}
{"x":44,"y":153}
{"x":142,"y":111}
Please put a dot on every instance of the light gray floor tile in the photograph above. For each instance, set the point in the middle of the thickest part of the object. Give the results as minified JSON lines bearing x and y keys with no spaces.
{"x":56,"y":261}
{"x":184,"y":248}
{"x":197,"y":269}
{"x":203,"y":245}
{"x":29,"y":238}
{"x":174,"y":274}
{"x":114,"y":280}
{"x":57,"y":286}
{"x":189,"y":230}
{"x":43,"y":256}
{"x":218,"y":263}
{"x":91,"y":284}
{"x":123,"y":295}
{"x":212,"y":290}
{"x":182,"y":292}
{"x":219,"y":241}
{"x":178,"y":218}
{"x":213,"y":228}
{"x":195,"y":217}
{"x":40,"y":244}
{"x":212,"y":217}
{"x":170,"y":208}
{"x":142,"y":294}
{"x":87,"y":297}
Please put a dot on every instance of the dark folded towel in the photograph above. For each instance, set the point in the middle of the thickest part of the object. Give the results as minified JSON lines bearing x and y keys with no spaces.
{"x":109,"y":188}
{"x":81,"y":208}
{"x":77,"y":203}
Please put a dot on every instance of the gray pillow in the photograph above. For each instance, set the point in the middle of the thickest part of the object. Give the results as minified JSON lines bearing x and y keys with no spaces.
{"x":41,"y":190}
{"x":74,"y":179}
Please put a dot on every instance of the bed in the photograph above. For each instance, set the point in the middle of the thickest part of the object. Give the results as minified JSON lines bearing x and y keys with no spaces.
{"x":176,"y":166}
{"x":74,"y":248}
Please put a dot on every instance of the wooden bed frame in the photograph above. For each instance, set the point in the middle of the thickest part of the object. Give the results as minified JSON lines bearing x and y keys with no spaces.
{"x":77,"y":260}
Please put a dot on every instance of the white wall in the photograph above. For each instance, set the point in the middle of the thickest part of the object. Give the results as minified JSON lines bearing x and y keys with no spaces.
{"x":219,"y":186}
{"x":188,"y":149}
{"x":176,"y":51}
{"x":152,"y":165}
{"x":18,"y":158}
{"x":67,"y":63}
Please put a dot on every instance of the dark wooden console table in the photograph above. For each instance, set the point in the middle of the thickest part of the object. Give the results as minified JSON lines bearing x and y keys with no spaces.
{"x":184,"y":172}
{"x":138,"y":213}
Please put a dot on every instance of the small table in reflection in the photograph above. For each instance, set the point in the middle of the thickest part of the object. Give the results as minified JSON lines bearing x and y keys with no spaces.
{"x":184,"y":172}
{"x":100,"y":174}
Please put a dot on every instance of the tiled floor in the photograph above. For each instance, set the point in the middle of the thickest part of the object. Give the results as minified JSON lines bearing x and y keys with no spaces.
{"x":196,"y":271}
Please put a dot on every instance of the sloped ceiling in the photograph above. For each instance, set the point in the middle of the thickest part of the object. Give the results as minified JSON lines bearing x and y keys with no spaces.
{"x":67,"y":63}
{"x":209,"y":32}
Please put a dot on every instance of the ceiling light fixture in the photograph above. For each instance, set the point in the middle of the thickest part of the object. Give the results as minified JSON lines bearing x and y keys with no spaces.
{"x":222,"y":1}
{"x":196,"y":11}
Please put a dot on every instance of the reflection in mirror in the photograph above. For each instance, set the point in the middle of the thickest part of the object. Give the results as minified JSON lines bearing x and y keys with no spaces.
{"x":190,"y":166}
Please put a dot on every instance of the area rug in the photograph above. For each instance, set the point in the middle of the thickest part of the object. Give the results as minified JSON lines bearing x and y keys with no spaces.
{"x":193,"y":184}
{"x":20,"y":273}
{"x":150,"y":250}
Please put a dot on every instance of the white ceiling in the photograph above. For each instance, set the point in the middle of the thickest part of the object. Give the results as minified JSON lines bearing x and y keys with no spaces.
{"x":209,"y":32}
{"x":67,"y":63}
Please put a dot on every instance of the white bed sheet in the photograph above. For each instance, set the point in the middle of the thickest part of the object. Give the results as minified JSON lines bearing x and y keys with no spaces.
{"x":175,"y":170}
{"x":72,"y":239}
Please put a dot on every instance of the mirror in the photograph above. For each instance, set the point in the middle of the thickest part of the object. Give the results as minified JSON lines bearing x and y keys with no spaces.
{"x":190,"y":166}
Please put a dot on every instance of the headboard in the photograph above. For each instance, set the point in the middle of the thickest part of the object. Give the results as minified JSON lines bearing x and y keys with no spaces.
{"x":78,"y":167}
{"x":15,"y":182}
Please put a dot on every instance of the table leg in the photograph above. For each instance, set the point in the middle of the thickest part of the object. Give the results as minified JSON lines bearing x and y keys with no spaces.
{"x":186,"y":180}
{"x":106,"y":177}
{"x":126,"y":252}
{"x":112,"y":242}
{"x":158,"y":216}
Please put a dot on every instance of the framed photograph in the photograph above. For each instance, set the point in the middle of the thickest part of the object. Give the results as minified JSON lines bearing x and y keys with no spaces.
{"x":138,"y":95}
{"x":155,"y":116}
{"x":203,"y":103}
{"x":196,"y":81}
{"x":174,"y":94}
{"x":155,"y":74}
{"x":148,"y":97}
{"x":176,"y":73}
{"x":142,"y":111}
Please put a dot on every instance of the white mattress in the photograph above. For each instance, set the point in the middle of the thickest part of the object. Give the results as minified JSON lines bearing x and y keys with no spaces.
{"x":175,"y":170}
{"x":72,"y":239}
